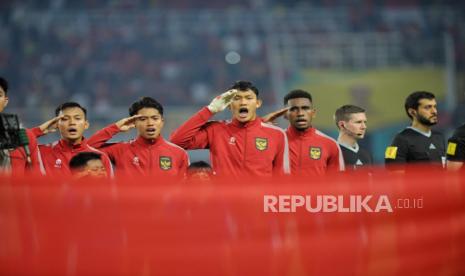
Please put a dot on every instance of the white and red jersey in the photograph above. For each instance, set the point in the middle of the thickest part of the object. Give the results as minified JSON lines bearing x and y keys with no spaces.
{"x":236,"y":149}
{"x":313,"y":152}
{"x":142,"y":156}
{"x":55,"y":157}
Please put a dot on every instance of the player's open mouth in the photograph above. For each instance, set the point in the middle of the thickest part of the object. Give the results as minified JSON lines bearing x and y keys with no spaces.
{"x":72,"y":131}
{"x":150,"y":131}
{"x":243,"y":112}
{"x":301,"y":122}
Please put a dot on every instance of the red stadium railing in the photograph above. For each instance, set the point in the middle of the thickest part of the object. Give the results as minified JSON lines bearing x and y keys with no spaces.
{"x":155,"y":227}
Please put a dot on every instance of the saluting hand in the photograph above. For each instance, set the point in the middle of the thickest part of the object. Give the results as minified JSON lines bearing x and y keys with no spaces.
{"x":50,"y":125}
{"x":219,"y":103}
{"x":127,"y":123}
{"x":271,"y":117}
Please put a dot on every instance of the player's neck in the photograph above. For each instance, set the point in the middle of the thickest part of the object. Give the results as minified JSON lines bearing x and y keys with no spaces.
{"x":301,"y":131}
{"x":421,"y":127}
{"x":252,"y":119}
{"x":74,"y":142}
{"x":151,"y":140}
{"x":346,"y":140}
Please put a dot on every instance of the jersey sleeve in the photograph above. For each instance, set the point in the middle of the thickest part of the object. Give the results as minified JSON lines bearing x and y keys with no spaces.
{"x":100,"y":138}
{"x":36,"y":166}
{"x":36,"y":132}
{"x":456,"y":149}
{"x":193,"y":134}
{"x":184,"y":164}
{"x":18,"y":157}
{"x":397,"y":152}
{"x":107,"y":163}
{"x":281,"y":164}
{"x":336,"y":159}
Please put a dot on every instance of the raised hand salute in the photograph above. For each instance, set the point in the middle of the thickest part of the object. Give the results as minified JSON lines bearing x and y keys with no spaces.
{"x":128,"y":123}
{"x":242,"y":146}
{"x":222,"y":101}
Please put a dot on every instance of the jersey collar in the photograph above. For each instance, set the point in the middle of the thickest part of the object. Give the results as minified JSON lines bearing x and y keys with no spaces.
{"x":257,"y":121}
{"x":355,"y":149}
{"x":297,"y":133}
{"x":66,"y":146}
{"x":141,"y":141}
{"x":427,"y":134}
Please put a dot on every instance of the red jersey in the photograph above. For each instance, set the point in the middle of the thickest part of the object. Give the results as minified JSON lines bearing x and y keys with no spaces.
{"x":141,"y":156}
{"x":236,"y":149}
{"x":56,"y":156}
{"x":313,"y":153}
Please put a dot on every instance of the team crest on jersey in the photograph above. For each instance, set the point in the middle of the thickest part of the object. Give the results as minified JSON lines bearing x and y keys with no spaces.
{"x":232,"y":140}
{"x":261,"y":143}
{"x":58,"y":163}
{"x":135,"y":161}
{"x":315,"y":153}
{"x":165,"y":163}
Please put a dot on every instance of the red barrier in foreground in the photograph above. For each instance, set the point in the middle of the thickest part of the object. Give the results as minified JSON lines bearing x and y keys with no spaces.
{"x":131,"y":227}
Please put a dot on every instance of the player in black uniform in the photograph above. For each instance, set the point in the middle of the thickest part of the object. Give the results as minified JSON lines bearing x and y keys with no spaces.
{"x":418,"y":143}
{"x":456,"y":149}
{"x":351,"y":121}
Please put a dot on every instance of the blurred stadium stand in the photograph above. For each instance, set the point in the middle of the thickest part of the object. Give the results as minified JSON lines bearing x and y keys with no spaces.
{"x":106,"y":54}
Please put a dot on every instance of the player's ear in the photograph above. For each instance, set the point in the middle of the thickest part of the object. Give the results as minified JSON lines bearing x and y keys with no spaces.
{"x":313,"y":113}
{"x":412,"y":112}
{"x":259,"y":103}
{"x":5,"y":103}
{"x":86,"y":124}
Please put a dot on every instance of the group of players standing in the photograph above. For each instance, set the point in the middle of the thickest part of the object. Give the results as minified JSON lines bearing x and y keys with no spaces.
{"x":246,"y":145}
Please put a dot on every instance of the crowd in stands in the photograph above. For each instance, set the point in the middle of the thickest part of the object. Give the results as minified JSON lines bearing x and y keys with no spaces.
{"x":108,"y":53}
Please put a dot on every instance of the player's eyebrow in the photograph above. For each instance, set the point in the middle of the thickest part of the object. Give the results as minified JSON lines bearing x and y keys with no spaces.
{"x":301,"y":106}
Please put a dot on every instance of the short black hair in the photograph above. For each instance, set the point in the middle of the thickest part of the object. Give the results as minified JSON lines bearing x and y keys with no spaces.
{"x":145,"y":102}
{"x":242,"y":85}
{"x":4,"y":85}
{"x":80,"y":160}
{"x":344,"y":112}
{"x":66,"y":105}
{"x":199,"y":165}
{"x":413,"y":100}
{"x":297,"y":93}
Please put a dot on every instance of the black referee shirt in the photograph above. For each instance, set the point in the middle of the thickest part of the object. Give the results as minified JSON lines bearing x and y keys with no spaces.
{"x":456,"y":145}
{"x":355,"y":157}
{"x":414,"y":146}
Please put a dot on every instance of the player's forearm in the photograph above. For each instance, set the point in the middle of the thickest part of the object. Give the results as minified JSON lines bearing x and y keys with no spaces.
{"x":36,"y":131}
{"x":102,"y":136}
{"x":186,"y":134}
